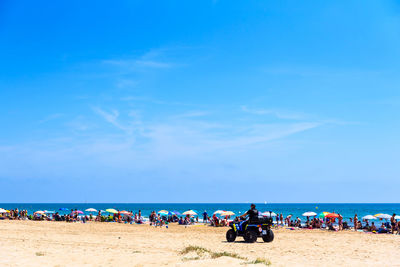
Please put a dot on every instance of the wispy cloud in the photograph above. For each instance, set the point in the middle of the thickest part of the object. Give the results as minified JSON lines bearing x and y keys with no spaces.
{"x":192,"y":114}
{"x":313,"y":71}
{"x":51,"y":117}
{"x":281,"y":114}
{"x":135,"y":64}
{"x":111,"y":117}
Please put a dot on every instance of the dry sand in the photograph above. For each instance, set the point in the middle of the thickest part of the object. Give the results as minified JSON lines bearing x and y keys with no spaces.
{"x":29,"y":243}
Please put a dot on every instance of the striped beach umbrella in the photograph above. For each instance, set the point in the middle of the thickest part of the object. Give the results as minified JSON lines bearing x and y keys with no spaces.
{"x":323,"y":214}
{"x":163,"y":212}
{"x":219,"y":212}
{"x":189,"y":212}
{"x":227,"y":213}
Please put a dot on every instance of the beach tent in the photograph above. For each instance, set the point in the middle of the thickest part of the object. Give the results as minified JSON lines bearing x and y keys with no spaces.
{"x":189,"y":212}
{"x":309,"y":214}
{"x":227,"y":213}
{"x":383,"y":216}
{"x":91,"y":210}
{"x":369,"y":217}
{"x":111,"y":210}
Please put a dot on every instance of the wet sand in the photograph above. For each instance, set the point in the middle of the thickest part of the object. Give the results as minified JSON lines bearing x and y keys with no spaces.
{"x":30,"y":243}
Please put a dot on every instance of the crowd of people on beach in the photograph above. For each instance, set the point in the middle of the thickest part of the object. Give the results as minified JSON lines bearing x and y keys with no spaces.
{"x":160,"y":220}
{"x":391,"y":226}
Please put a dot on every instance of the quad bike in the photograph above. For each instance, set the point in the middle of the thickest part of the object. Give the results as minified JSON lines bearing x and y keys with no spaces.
{"x":251,"y":230}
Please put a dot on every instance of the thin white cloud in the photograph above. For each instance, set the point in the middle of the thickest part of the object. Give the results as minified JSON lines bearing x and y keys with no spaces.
{"x":192,"y":114}
{"x":281,"y":114}
{"x":51,"y":117}
{"x":111,"y":117}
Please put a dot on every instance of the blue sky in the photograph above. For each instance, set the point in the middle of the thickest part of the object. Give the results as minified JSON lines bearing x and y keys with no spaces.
{"x":199,"y":101}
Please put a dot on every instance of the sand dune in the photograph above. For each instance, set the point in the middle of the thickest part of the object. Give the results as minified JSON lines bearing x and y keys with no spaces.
{"x":29,"y":243}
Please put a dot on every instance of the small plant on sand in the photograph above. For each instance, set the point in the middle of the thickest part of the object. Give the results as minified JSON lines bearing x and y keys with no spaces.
{"x":197,"y":249}
{"x":260,"y":261}
{"x":215,"y":255}
{"x":39,"y":253}
{"x":203,"y":252}
{"x":191,"y":259}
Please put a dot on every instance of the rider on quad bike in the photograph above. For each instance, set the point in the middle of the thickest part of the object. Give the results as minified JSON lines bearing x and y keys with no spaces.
{"x":252,"y":228}
{"x":252,"y":213}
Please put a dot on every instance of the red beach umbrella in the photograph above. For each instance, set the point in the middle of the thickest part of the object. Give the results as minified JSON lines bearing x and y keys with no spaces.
{"x":332,"y":215}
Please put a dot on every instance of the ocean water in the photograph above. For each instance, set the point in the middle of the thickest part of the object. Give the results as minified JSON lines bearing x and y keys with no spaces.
{"x":347,"y":210}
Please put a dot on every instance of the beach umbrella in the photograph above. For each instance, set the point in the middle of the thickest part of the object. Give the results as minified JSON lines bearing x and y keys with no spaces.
{"x":177,"y":213}
{"x":63,"y":209}
{"x":2,"y":210}
{"x":91,"y":210}
{"x":309,"y":214}
{"x":323,"y":214}
{"x":39,"y":212}
{"x":382,"y":216}
{"x":332,"y":215}
{"x":397,"y":217}
{"x":369,"y":217}
{"x":171,"y":213}
{"x":227,"y":213}
{"x":125,"y":212}
{"x":111,"y":210}
{"x":78,"y":211}
{"x":189,"y":212}
{"x":268,"y":214}
{"x":49,"y":211}
{"x":219,"y":212}
{"x":163,"y":212}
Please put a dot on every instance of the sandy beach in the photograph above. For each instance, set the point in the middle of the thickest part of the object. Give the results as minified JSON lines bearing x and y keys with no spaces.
{"x":32,"y":243}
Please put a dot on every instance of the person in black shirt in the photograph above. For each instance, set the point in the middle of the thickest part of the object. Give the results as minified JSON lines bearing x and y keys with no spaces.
{"x":253,"y":215}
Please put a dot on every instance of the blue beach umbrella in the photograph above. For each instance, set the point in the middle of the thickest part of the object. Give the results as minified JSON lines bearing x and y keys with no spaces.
{"x":63,"y":209}
{"x":177,"y":213}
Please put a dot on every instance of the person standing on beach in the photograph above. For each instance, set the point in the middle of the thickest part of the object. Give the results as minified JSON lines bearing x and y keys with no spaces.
{"x":340,"y":222}
{"x":281,"y":218}
{"x":393,"y":222}
{"x":355,"y":222}
{"x":205,"y":216}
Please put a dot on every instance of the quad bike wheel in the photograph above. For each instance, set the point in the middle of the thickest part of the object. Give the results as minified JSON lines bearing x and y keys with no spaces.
{"x":230,"y":235}
{"x":250,"y":236}
{"x":269,"y":237}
